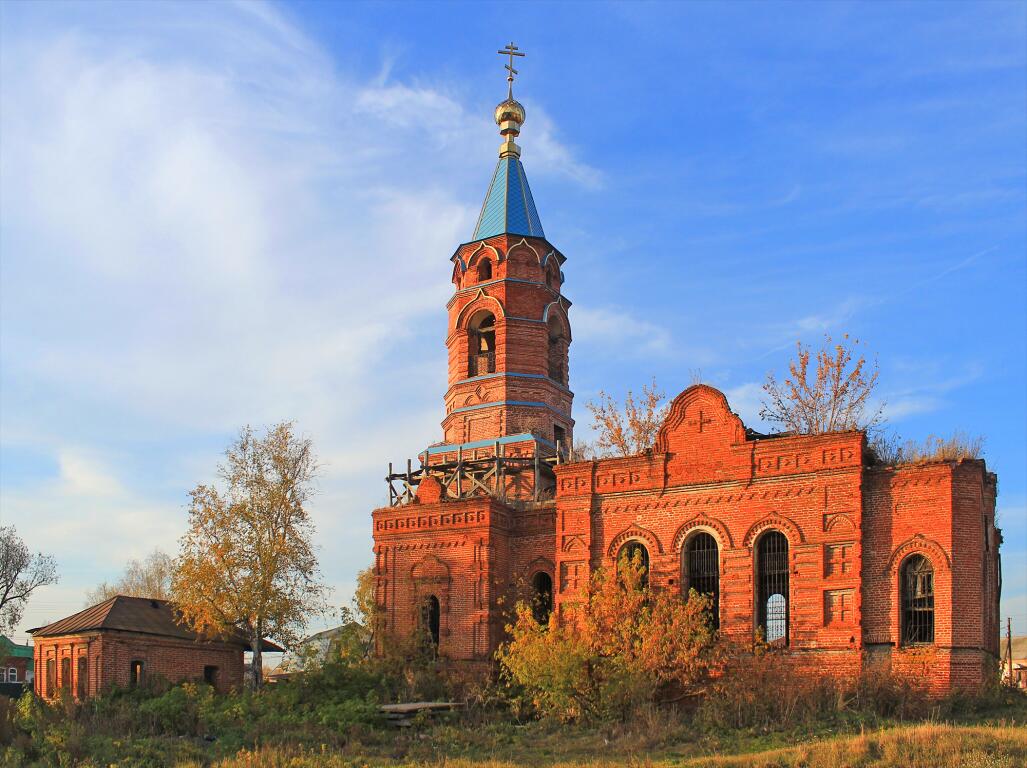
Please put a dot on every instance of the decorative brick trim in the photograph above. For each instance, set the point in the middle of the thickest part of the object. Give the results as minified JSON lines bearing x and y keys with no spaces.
{"x":478,"y":302}
{"x":777,"y":522}
{"x":635,"y":532}
{"x":919,"y":545}
{"x":709,"y":524}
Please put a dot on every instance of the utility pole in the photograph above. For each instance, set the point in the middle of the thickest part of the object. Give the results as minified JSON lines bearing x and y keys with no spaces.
{"x":1009,"y":648}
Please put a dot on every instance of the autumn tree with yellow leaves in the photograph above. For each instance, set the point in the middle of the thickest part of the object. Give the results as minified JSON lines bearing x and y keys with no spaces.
{"x":247,"y":564}
{"x":626,"y":430}
{"x":620,"y":646}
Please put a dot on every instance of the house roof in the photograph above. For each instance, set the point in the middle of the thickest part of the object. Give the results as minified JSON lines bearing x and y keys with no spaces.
{"x":508,"y":207}
{"x":10,"y":648}
{"x":133,"y":614}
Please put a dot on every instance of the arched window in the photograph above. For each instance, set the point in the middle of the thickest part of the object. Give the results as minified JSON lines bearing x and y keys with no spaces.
{"x":558,"y":346}
{"x":82,"y":679}
{"x":772,"y":586}
{"x":135,"y":673}
{"x":482,"y":336}
{"x":702,"y":569}
{"x":431,"y":616}
{"x":635,"y":552}
{"x":484,"y":270}
{"x":542,"y":600}
{"x":917,"y":601}
{"x":51,"y":678}
{"x":12,"y":675}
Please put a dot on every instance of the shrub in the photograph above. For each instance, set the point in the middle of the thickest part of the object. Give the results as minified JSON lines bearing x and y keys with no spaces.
{"x":623,"y":646}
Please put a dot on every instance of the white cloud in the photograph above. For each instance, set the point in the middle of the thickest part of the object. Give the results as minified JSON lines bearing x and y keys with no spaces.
{"x":613,"y":326}
{"x":746,"y":400}
{"x":207,"y":224}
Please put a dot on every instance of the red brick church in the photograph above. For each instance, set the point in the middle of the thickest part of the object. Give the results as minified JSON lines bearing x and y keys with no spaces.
{"x":801,"y":537}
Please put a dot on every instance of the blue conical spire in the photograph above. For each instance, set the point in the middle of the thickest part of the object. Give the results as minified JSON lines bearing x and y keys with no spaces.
{"x":508,"y":208}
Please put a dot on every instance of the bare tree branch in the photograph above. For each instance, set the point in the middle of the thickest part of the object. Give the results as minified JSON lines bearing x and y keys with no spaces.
{"x":21,"y":573}
{"x":832,"y":397}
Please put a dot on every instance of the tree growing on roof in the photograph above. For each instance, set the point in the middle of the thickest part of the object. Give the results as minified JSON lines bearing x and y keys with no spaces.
{"x":150,"y":577}
{"x":625,"y":430}
{"x":21,"y":574}
{"x":831,"y":395}
{"x":247,"y":562}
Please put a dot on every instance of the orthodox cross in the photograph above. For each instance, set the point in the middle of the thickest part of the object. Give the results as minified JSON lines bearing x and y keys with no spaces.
{"x":700,"y":421}
{"x":511,"y":50}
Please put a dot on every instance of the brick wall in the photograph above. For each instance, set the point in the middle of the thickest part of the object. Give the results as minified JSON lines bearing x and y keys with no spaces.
{"x":849,"y":528}
{"x":108,"y":656}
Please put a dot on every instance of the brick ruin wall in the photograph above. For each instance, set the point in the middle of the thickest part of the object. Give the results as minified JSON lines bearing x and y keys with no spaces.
{"x":109,"y":656}
{"x":849,"y":528}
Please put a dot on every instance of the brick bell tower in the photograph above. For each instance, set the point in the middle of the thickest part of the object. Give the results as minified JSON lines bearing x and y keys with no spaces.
{"x":474,"y":517}
{"x":509,"y":332}
{"x":508,"y":338}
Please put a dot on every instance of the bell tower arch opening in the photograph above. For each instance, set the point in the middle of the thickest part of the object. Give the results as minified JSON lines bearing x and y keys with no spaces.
{"x":482,"y":338}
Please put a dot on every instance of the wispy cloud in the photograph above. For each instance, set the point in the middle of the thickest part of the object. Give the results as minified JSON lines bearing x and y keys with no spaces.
{"x":207,"y":224}
{"x":616,"y":328}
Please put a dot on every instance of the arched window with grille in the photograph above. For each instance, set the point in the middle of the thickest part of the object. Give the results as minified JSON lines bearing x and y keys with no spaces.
{"x":635,"y":551}
{"x":431,"y":616}
{"x":701,"y":570}
{"x":917,"y":584}
{"x":542,"y":599}
{"x":772,"y":603}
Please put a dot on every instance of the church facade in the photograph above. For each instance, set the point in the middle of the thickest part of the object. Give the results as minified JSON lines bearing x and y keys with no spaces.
{"x":800,"y":539}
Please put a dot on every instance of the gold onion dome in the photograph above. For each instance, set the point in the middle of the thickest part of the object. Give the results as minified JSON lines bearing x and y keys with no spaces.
{"x":510,"y":111}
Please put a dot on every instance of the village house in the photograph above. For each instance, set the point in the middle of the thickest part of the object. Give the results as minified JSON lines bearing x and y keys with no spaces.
{"x":130,"y":641}
{"x":802,"y":539}
{"x":16,"y":668}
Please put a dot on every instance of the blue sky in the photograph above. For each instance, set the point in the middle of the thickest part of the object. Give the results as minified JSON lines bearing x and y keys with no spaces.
{"x":220,"y":214}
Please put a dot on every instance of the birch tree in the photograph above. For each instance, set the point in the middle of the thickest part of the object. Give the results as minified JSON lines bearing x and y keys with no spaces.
{"x":247,"y":563}
{"x":828,"y":390}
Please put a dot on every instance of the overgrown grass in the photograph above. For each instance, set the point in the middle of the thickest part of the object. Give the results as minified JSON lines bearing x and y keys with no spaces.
{"x":913,"y":746}
{"x":891,"y":451}
{"x":328,"y":718}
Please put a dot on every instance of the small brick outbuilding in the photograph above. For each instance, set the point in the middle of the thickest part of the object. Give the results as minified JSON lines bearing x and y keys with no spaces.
{"x":128,"y":641}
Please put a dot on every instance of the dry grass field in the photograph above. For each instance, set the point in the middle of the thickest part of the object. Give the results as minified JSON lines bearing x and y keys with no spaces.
{"x":913,"y":746}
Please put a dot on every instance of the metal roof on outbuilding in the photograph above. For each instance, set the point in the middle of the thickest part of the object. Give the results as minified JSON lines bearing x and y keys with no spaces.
{"x":133,"y":614}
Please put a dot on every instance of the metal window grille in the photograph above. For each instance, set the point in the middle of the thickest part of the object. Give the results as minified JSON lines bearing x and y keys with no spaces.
{"x":917,"y":601}
{"x":431,"y":615}
{"x":772,"y":593}
{"x":542,"y":601}
{"x":630,"y":551}
{"x":703,"y":569}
